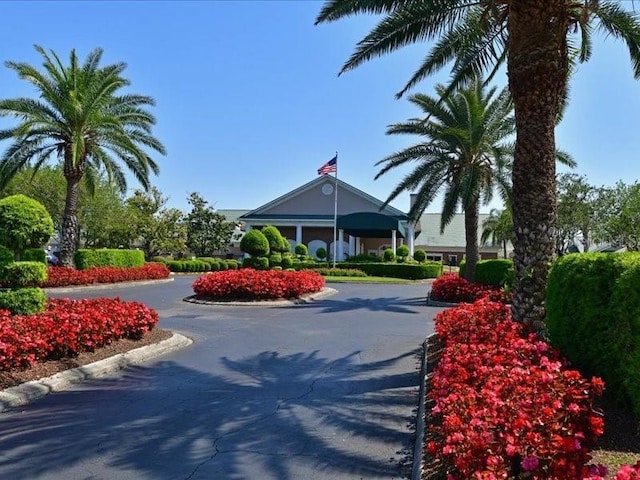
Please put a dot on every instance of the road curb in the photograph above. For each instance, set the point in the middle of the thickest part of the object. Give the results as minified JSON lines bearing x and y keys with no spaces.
{"x":29,"y":391}
{"x":418,"y":448}
{"x":325,"y":292}
{"x":106,"y":286}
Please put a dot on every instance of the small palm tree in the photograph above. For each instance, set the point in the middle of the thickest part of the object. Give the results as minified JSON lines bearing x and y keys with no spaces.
{"x":464,"y":154}
{"x":498,"y":227}
{"x":80,"y":119}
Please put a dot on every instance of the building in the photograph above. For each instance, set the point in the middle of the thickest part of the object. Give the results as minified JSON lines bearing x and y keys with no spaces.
{"x":306,"y":215}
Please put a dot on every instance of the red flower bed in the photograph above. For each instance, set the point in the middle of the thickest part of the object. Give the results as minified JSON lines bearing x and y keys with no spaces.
{"x":453,"y":288}
{"x":507,"y":405}
{"x":65,"y":276}
{"x":250,"y":284}
{"x":68,"y":327}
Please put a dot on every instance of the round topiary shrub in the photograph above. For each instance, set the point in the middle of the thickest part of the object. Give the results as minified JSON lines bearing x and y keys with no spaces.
{"x":24,"y":301}
{"x":24,"y":274}
{"x":419,"y":256}
{"x":255,"y":243}
{"x":275,"y":260}
{"x":388,"y":255}
{"x":6,"y":255}
{"x":287,"y":261}
{"x":24,"y":223}
{"x":402,"y":252}
{"x":276,"y":240}
{"x":321,"y":253}
{"x":301,"y":250}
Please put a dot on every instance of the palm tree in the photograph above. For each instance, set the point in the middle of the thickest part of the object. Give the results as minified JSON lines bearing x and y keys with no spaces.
{"x":538,"y":40}
{"x":80,"y":119}
{"x":498,"y":227}
{"x":463,"y":154}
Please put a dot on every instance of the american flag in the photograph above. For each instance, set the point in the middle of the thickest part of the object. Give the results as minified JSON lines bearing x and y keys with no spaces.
{"x":330,"y":166}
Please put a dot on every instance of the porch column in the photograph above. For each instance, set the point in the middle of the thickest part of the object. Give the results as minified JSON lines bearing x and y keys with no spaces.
{"x":393,"y":241}
{"x":340,"y":250}
{"x":298,"y":234}
{"x":358,"y":246}
{"x":352,"y":245}
{"x":410,"y":235}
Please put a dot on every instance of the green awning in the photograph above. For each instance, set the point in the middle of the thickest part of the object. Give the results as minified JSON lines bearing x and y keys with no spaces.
{"x":370,"y":225}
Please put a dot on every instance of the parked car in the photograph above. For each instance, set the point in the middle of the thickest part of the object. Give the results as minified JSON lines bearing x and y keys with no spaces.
{"x":52,"y":258}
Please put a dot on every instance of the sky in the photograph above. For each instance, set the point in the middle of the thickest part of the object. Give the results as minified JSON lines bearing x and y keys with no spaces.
{"x":249,"y":103}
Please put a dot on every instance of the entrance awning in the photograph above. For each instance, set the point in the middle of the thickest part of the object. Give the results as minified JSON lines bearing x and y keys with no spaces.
{"x":370,"y":225}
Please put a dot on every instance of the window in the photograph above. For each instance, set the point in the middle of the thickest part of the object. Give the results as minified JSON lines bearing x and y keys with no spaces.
{"x":434,"y":257}
{"x":453,"y":260}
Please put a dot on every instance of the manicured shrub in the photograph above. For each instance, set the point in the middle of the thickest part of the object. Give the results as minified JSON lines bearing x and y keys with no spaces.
{"x":321,"y":253}
{"x":340,"y":272}
{"x":419,"y":256}
{"x":260,"y":263}
{"x":593,"y":317}
{"x":34,"y":255}
{"x":6,"y":255}
{"x":251,"y":284}
{"x":301,"y":250}
{"x":277,"y":243}
{"x":388,"y":255}
{"x":22,"y":301}
{"x":462,"y":267}
{"x":232,"y":264}
{"x":275,"y":260}
{"x":496,"y":272}
{"x":106,"y":257}
{"x":287,"y":261}
{"x":364,"y":258}
{"x":161,"y":258}
{"x":24,"y":223}
{"x":393,"y":270}
{"x":254,"y":243}
{"x":24,"y":274}
{"x":402,"y":252}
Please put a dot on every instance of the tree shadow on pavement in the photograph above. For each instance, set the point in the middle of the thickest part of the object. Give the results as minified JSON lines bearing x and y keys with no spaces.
{"x":266,"y":416}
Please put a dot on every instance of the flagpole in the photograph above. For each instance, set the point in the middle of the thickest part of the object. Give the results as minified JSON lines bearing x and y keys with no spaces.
{"x":335,"y":215}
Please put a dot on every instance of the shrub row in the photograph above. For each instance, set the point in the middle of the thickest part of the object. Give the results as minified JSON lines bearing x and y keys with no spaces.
{"x":505,"y":405}
{"x":34,"y":255}
{"x":89,"y":258}
{"x":340,"y":272}
{"x":496,"y":271}
{"x":23,"y":301}
{"x":64,"y":276}
{"x":203,"y":264}
{"x":250,"y":284}
{"x":410,"y":271}
{"x":453,"y":288}
{"x":68,"y":327}
{"x":593,"y":317}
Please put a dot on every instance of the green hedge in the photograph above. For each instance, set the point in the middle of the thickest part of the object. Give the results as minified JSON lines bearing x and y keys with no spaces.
{"x":496,"y":272}
{"x":340,"y":272}
{"x":24,"y":274}
{"x":25,"y":301}
{"x":189,"y":266}
{"x":86,"y":258}
{"x":593,"y":318}
{"x":34,"y":255}
{"x":397,"y":270}
{"x":6,"y":255}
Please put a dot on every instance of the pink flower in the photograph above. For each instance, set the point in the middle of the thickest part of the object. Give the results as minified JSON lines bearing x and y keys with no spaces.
{"x":529,"y":463}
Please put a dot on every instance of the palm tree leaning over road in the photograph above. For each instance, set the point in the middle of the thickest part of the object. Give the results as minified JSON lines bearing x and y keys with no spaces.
{"x":464,"y":153}
{"x":82,"y":120}
{"x":498,"y":227}
{"x":538,"y":40}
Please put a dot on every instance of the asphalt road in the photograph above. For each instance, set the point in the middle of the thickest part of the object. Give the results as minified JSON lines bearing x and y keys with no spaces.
{"x":318,"y":391}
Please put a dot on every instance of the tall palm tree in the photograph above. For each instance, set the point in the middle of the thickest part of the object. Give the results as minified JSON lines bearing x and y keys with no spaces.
{"x":463,"y":154}
{"x":82,"y":120}
{"x":498,"y":227}
{"x":538,"y":40}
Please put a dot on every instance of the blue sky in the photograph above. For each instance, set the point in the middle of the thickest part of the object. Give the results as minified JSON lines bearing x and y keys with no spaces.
{"x":249,"y":103}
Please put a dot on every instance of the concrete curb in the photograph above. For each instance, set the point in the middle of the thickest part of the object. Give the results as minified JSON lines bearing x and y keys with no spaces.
{"x":27,"y":392}
{"x":325,"y":292}
{"x":418,"y":448}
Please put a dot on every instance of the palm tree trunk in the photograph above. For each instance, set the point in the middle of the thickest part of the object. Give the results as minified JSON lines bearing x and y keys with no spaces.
{"x":504,"y":249}
{"x":537,"y":69}
{"x":471,"y":239}
{"x":70,"y":230}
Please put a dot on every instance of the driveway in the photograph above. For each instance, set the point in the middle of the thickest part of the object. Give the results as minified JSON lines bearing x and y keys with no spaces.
{"x":319,"y":391}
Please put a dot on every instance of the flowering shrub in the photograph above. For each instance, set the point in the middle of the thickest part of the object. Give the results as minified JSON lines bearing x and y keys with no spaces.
{"x":250,"y":284}
{"x":453,"y":288}
{"x":507,"y":406}
{"x":65,"y":276}
{"x":68,"y":327}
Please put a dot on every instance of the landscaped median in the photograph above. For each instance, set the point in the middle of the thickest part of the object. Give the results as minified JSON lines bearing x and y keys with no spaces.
{"x":505,"y":404}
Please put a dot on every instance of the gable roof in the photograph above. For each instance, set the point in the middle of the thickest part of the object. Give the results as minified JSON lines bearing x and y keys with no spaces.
{"x":290,"y":204}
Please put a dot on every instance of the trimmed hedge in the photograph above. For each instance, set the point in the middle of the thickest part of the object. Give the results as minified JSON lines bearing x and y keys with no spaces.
{"x":34,"y":255}
{"x":397,"y":270}
{"x":340,"y":272}
{"x":497,"y":272}
{"x":24,"y":301}
{"x":6,"y":255}
{"x":86,"y":258}
{"x":593,"y":317}
{"x":24,"y":274}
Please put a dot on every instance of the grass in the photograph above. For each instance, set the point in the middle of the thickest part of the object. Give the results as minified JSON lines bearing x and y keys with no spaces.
{"x":369,"y":279}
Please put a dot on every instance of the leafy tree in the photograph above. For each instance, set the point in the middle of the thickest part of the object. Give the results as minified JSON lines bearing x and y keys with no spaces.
{"x":538,"y":40}
{"x":81,"y":119}
{"x":101,"y":217}
{"x":575,"y":211}
{"x":617,"y":216}
{"x":419,"y":256}
{"x":207,"y":230}
{"x":498,"y":227}
{"x":403,"y":252}
{"x":170,"y":237}
{"x":24,"y":223}
{"x":463,"y":153}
